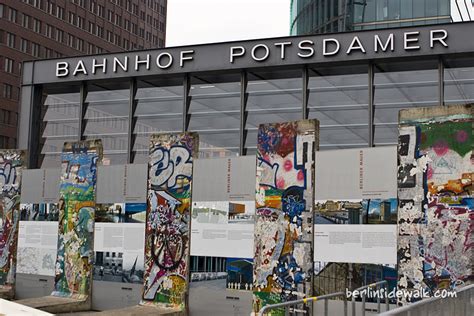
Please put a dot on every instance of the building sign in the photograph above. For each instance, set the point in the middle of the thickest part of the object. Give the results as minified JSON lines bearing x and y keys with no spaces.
{"x":303,"y":49}
{"x":349,"y":47}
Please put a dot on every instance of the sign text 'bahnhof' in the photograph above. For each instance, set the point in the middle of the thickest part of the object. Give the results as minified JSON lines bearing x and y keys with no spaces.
{"x":305,"y":49}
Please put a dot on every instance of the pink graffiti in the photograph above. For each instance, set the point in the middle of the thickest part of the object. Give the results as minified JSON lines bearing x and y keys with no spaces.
{"x":280,"y":183}
{"x":288,"y":165}
{"x":300,"y":175}
{"x":461,"y":136}
{"x":429,"y":172}
{"x":441,"y":147}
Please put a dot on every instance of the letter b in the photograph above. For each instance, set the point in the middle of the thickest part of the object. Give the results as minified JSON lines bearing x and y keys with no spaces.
{"x":62,"y":69}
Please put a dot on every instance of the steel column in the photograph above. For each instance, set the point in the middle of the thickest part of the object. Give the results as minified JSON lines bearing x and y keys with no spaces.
{"x":441,"y":81}
{"x":82,"y":111}
{"x":371,"y":104}
{"x":186,"y":101}
{"x":36,"y":121}
{"x":132,"y":121}
{"x":305,"y":95}
{"x":243,"y":112}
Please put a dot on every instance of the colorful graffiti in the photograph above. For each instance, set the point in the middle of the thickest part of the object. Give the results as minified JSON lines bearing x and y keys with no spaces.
{"x":168,"y":219}
{"x":284,"y":218}
{"x":435,"y":213}
{"x":74,"y":262}
{"x":11,"y":166}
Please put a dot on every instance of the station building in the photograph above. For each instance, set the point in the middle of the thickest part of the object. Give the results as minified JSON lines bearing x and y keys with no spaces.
{"x":353,"y":83}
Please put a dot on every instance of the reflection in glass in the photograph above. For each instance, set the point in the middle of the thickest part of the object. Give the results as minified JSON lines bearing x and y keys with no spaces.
{"x":272,"y":98}
{"x":325,"y":16}
{"x":60,"y":112}
{"x":106,"y":118}
{"x":459,"y":85}
{"x":396,"y":89}
{"x":159,"y":110}
{"x":340,"y":103}
{"x":215,"y":114}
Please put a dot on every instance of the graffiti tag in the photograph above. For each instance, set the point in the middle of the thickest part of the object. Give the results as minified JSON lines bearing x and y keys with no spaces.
{"x":167,"y":166}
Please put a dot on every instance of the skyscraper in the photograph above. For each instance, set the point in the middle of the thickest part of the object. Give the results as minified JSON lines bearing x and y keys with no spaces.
{"x":328,"y":16}
{"x":31,"y":29}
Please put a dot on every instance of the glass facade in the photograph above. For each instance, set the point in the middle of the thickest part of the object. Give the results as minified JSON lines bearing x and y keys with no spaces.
{"x":158,"y":107}
{"x":214,"y":113}
{"x":60,"y":123}
{"x":106,"y":117}
{"x":395,"y":88}
{"x":327,"y":16}
{"x":339,"y":99}
{"x":357,"y":105}
{"x":271,"y":97}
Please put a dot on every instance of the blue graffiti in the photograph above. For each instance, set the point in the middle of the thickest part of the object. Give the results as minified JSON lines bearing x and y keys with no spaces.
{"x":289,"y":274}
{"x":293,"y":205}
{"x":8,"y":177}
{"x":168,"y":166}
{"x":268,"y":139}
{"x":79,"y":169}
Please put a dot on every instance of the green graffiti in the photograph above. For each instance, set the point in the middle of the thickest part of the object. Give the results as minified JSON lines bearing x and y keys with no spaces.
{"x":453,"y":135}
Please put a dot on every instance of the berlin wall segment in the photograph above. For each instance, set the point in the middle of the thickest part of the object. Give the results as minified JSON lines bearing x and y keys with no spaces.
{"x":167,"y":234}
{"x":436,"y":208}
{"x":283,"y":262}
{"x":77,"y":193}
{"x":12,"y":163}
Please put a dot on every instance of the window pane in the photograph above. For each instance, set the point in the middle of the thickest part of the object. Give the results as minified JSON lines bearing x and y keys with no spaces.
{"x":406,"y":9}
{"x":396,"y":89}
{"x":340,"y":103}
{"x":60,"y":112}
{"x":159,"y":109}
{"x":459,"y":81}
{"x":106,"y":118}
{"x":272,"y":97}
{"x":215,"y":114}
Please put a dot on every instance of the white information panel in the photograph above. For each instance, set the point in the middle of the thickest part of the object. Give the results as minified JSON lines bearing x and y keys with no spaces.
{"x":223,"y":207}
{"x":120,"y":237}
{"x":40,"y":186}
{"x":120,"y":247}
{"x":37,"y":243}
{"x":375,"y":244}
{"x":223,"y":229}
{"x":122,"y":184}
{"x":119,"y":252}
{"x":366,"y":173}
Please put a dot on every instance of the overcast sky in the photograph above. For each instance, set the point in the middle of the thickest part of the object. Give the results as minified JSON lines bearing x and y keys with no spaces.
{"x":207,"y":21}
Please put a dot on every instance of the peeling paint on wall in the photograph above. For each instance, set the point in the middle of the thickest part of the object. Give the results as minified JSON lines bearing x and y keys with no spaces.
{"x":284,"y":216}
{"x":11,"y":167}
{"x":77,"y":195}
{"x":167,"y":234}
{"x":435,"y":216}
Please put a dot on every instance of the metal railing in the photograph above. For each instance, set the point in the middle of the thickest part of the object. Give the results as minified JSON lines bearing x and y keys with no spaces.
{"x":461,"y":305}
{"x":377,"y":285}
{"x":363,"y":291}
{"x":304,"y":301}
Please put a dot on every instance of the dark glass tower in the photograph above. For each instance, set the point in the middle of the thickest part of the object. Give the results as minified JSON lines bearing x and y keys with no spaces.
{"x":328,"y":16}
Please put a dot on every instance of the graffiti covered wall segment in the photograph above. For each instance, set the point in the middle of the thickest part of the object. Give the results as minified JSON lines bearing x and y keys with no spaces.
{"x":170,"y":171}
{"x":11,"y":166}
{"x":77,"y":193}
{"x":435,"y":213}
{"x":284,"y":217}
